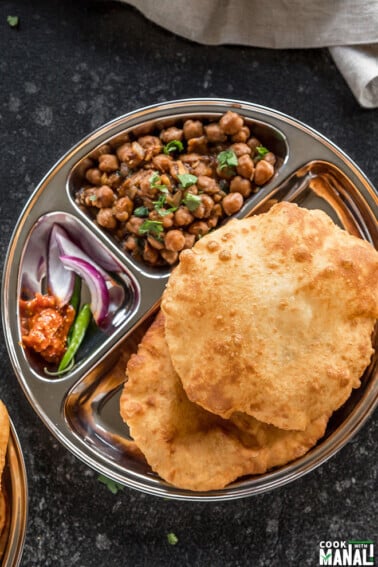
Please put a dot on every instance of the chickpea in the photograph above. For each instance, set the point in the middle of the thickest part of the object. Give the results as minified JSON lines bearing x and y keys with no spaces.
{"x":134,"y":224}
{"x":189,"y":240}
{"x":104,"y":197}
{"x":108,"y":163}
{"x":232,"y":203}
{"x":205,"y":207}
{"x":240,"y":185}
{"x":240,"y":149}
{"x":123,"y":209}
{"x":152,"y":146}
{"x":150,"y":254}
{"x":174,"y":240}
{"x":132,"y":154}
{"x":106,"y":219}
{"x":270,"y":158}
{"x":162,"y":162}
{"x":198,"y":145}
{"x":171,"y":134}
{"x":131,"y":244}
{"x":202,"y":168}
{"x":214,"y":133}
{"x":168,"y":220}
{"x":207,"y":184}
{"x":170,"y":256}
{"x":241,"y":136}
{"x":183,"y":217}
{"x":263,"y":172}
{"x":231,"y":122}
{"x":199,"y":228}
{"x":192,"y":129}
{"x":114,"y":180}
{"x":246,"y":167}
{"x":155,"y":243}
{"x":253,"y":143}
{"x":93,"y":175}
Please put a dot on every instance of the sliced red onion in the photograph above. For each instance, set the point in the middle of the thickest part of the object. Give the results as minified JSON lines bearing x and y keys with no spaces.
{"x":60,"y":282}
{"x":68,"y":248}
{"x":95,"y":282}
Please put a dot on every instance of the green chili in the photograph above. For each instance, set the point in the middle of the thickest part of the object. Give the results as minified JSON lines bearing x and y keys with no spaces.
{"x":79,"y":329}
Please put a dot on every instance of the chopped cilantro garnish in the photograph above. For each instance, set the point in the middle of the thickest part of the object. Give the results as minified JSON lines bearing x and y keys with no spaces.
{"x":93,"y":198}
{"x":187,"y":180}
{"x":262,"y":151}
{"x":13,"y":21}
{"x":227,"y":158}
{"x":191,"y":201}
{"x":173,"y":146}
{"x":154,"y":228}
{"x":155,"y":183}
{"x":172,"y":538}
{"x":141,"y":212}
{"x":112,"y":485}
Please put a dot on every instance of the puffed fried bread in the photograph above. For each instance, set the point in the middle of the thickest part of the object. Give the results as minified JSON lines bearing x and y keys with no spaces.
{"x":188,"y":446}
{"x":272,"y":316}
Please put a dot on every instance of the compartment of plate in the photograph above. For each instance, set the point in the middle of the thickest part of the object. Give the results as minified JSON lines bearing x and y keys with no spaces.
{"x":269,"y":135}
{"x":32,"y":277}
{"x":322,"y":185}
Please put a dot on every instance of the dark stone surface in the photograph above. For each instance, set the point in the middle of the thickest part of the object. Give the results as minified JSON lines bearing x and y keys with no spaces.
{"x":68,"y":68}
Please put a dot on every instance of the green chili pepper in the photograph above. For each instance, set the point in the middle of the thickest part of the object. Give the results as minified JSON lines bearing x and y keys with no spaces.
{"x":79,"y":329}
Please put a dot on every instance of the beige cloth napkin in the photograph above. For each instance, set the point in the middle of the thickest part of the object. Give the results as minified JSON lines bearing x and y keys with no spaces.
{"x":348,"y":27}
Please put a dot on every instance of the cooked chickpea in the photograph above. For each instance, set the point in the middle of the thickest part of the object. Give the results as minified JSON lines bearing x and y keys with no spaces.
{"x":253,"y":143}
{"x":104,"y":197}
{"x":132,"y":154}
{"x":240,"y":185}
{"x":108,"y":163}
{"x":231,"y":122}
{"x":162,"y":162}
{"x":174,"y":240}
{"x":134,"y":224}
{"x":207,"y":184}
{"x":214,"y":133}
{"x":189,"y":240}
{"x":93,"y":175}
{"x":270,"y":158}
{"x":168,"y":220}
{"x":171,"y":134}
{"x":106,"y":219}
{"x":199,"y":228}
{"x":150,"y":254}
{"x":241,"y":136}
{"x":155,"y":243}
{"x":240,"y":149}
{"x":232,"y":203}
{"x":152,"y":146}
{"x":198,"y":145}
{"x":192,"y":129}
{"x":131,"y":243}
{"x":204,"y":208}
{"x":263,"y":172}
{"x":123,"y":209}
{"x":246,"y":167}
{"x":183,"y":217}
{"x":170,"y":256}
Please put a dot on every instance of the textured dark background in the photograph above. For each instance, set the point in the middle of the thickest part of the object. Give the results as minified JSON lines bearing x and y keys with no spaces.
{"x":68,"y":68}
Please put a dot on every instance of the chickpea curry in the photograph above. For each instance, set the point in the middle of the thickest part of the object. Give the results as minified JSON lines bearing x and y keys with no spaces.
{"x":157,"y":193}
